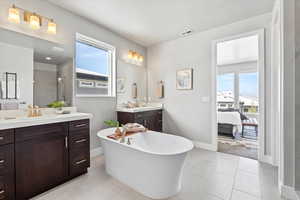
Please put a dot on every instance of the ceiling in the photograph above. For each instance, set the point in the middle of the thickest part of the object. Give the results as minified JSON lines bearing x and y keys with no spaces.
{"x":148,"y":22}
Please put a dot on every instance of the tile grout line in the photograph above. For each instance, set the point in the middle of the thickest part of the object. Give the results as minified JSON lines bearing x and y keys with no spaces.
{"x":234,"y":178}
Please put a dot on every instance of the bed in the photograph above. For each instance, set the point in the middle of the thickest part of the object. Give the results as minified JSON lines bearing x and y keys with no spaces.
{"x":229,"y":123}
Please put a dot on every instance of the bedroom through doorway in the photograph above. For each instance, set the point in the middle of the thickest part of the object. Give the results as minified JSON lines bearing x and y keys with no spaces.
{"x":239,"y":112}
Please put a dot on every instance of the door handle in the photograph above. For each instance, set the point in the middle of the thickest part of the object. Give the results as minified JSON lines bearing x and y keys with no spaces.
{"x":1,"y":138}
{"x":2,"y":161}
{"x":2,"y":191}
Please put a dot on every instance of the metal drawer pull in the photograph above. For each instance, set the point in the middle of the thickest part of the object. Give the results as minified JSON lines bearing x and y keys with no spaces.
{"x":2,"y":161}
{"x":80,"y":162}
{"x":80,"y":141}
{"x":66,"y":142}
{"x":80,"y":125}
{"x":2,"y":192}
{"x":1,"y":138}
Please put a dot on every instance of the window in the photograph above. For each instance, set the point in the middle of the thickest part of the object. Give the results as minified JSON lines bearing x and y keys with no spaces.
{"x":225,"y":89}
{"x":238,"y":50}
{"x":248,"y":95}
{"x":95,"y":67}
{"x":238,"y":90}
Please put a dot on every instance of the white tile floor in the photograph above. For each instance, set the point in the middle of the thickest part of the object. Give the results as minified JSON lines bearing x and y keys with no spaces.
{"x":207,"y":176}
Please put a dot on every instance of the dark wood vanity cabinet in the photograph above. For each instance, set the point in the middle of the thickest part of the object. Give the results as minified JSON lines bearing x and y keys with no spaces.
{"x":41,"y":157}
{"x":150,"y":119}
{"x":7,"y":168}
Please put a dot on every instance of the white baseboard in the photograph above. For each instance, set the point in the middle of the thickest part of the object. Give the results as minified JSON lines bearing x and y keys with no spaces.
{"x":96,"y":152}
{"x":206,"y":146}
{"x":288,"y":192}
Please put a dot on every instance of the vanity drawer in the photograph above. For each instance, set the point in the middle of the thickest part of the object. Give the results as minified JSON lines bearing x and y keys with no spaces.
{"x":7,"y":188}
{"x":6,"y":159}
{"x":79,"y":140}
{"x":79,"y":125}
{"x":79,"y":161}
{"x":6,"y":136}
{"x":35,"y":132}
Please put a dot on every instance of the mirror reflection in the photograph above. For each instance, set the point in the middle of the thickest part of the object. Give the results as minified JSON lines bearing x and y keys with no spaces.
{"x":33,"y":71}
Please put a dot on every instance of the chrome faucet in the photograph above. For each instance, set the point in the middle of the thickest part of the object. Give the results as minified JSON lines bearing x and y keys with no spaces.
{"x":122,"y":140}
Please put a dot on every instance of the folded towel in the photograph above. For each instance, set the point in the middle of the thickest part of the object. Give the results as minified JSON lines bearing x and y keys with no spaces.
{"x":131,"y":128}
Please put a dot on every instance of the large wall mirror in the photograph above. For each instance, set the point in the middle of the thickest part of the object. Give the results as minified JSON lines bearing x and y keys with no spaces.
{"x":34,"y":71}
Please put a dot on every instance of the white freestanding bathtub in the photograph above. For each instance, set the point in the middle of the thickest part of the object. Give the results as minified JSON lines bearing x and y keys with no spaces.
{"x":152,"y":164}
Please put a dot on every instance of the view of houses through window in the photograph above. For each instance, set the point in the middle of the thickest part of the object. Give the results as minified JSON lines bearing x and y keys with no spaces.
{"x":247,"y":97}
{"x":94,"y":67}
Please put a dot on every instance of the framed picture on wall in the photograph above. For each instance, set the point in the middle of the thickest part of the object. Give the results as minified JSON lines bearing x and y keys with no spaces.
{"x":184,"y":79}
{"x":121,"y":85}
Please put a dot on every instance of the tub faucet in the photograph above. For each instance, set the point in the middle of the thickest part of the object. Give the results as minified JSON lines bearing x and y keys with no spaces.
{"x":122,"y":140}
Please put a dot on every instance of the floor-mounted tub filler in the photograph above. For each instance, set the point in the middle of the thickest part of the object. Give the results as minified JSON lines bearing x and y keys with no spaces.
{"x":151,"y":162}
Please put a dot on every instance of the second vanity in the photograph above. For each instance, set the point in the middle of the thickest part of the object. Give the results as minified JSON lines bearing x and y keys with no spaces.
{"x":148,"y":116}
{"x":37,"y":154}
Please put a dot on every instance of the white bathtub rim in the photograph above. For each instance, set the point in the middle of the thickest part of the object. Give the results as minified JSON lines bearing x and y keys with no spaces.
{"x":102,"y":134}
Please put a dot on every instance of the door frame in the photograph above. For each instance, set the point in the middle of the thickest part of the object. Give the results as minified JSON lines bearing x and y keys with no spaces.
{"x":261,"y":80}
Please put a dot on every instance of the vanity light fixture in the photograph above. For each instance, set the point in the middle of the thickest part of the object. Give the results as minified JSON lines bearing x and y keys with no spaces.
{"x":14,"y":15}
{"x":34,"y":20}
{"x":48,"y":58}
{"x":134,"y":58}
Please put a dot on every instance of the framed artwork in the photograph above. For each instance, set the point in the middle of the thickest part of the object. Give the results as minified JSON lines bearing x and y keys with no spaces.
{"x":120,"y":85}
{"x":184,"y":79}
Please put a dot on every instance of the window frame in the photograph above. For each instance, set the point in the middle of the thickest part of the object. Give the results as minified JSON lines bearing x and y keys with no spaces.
{"x":111,"y":69}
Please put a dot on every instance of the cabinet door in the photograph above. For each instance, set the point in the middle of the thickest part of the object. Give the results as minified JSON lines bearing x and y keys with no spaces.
{"x":7,"y":187}
{"x":41,"y":159}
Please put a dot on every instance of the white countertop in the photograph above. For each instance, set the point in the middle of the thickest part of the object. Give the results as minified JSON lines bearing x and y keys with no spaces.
{"x":45,"y":119}
{"x":148,"y":107}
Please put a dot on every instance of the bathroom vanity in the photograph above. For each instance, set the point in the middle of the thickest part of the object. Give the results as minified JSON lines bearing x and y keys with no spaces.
{"x":39,"y":154}
{"x":150,"y":117}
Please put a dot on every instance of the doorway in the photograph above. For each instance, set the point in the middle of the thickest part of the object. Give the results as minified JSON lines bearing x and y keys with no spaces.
{"x":238,"y":85}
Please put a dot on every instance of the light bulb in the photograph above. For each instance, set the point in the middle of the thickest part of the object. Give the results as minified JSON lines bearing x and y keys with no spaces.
{"x":141,"y":58}
{"x":51,"y":27}
{"x":34,"y":22}
{"x":14,"y":15}
{"x":130,"y":54}
{"x":135,"y":56}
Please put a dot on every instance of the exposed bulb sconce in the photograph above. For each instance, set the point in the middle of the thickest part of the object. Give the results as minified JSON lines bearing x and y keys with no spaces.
{"x":14,"y":15}
{"x":134,"y":58}
{"x":130,"y":55}
{"x":51,"y":27}
{"x":34,"y":20}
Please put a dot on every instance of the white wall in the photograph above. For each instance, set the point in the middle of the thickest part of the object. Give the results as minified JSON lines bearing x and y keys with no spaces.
{"x":19,"y":60}
{"x":288,"y":140}
{"x":67,"y":25}
{"x":297,"y":93}
{"x":185,"y":112}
